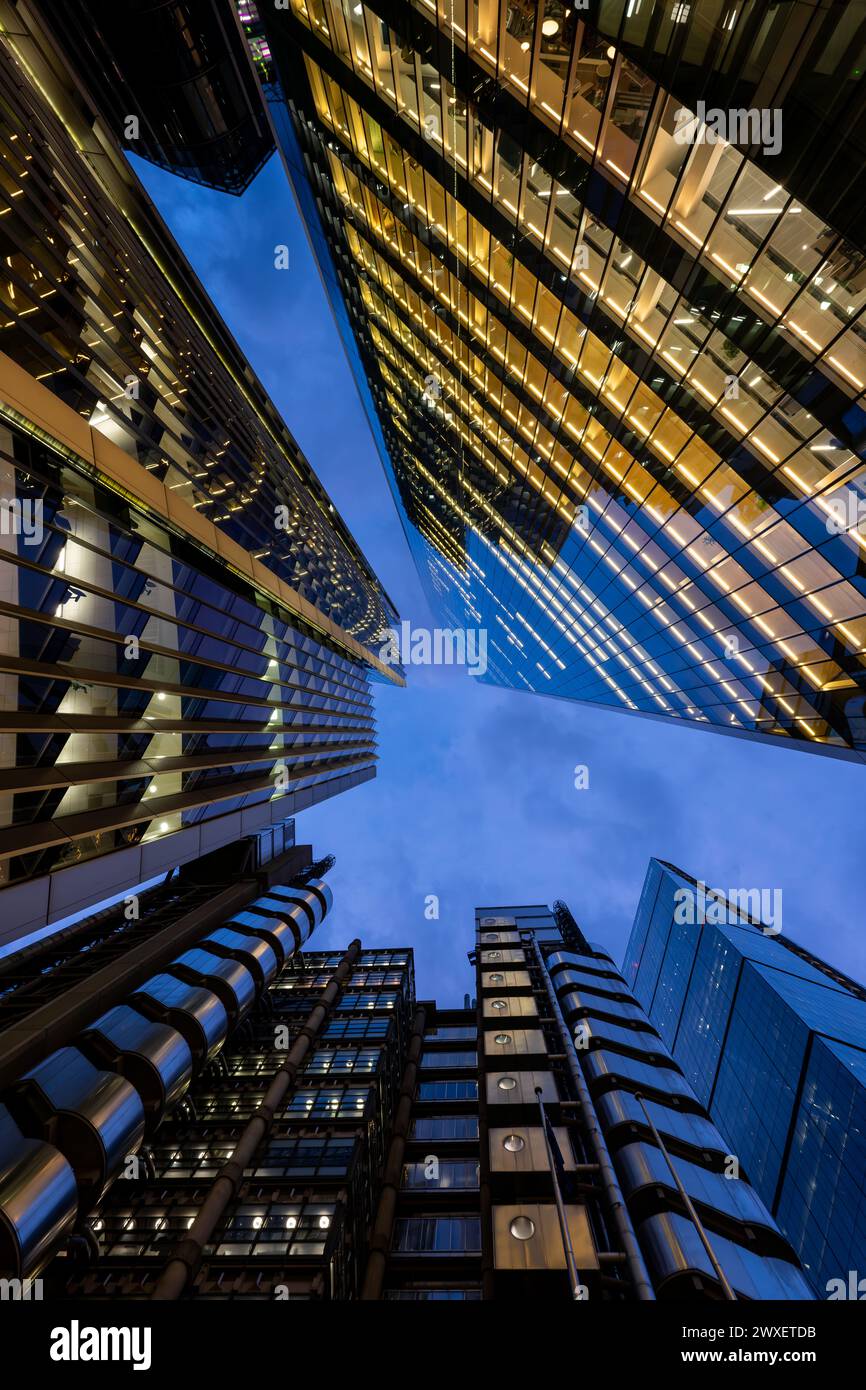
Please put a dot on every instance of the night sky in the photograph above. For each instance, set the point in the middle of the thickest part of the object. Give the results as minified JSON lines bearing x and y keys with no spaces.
{"x":474,"y":800}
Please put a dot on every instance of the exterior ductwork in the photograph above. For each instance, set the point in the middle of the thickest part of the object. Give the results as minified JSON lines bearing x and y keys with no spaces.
{"x":194,"y":1011}
{"x":677,"y":1258}
{"x":259,"y":958}
{"x":230,"y":981}
{"x":38,"y":1200}
{"x":95,"y":1118}
{"x":152,"y":1056}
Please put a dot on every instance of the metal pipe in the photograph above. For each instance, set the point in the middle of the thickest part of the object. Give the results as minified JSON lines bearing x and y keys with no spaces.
{"x":188,"y":1253}
{"x":622,"y":1220}
{"x":568,"y":1248}
{"x":383,"y":1225}
{"x":687,"y":1202}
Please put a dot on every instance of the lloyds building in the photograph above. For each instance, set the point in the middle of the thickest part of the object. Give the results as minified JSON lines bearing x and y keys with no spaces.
{"x":207,"y":1104}
{"x":600,"y":272}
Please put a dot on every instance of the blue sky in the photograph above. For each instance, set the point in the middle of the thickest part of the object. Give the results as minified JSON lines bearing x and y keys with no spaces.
{"x":475,"y":799}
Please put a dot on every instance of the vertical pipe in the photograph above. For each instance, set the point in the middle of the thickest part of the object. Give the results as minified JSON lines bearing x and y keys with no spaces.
{"x":564,"y":1231}
{"x":383,"y":1225}
{"x":187,"y":1255}
{"x":622,"y":1220}
{"x":689,"y":1206}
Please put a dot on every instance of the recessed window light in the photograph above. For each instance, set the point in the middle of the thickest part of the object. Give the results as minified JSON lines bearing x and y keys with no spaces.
{"x":500,"y":1005}
{"x":514,"y":1143}
{"x":506,"y":1083}
{"x":503,"y":1039}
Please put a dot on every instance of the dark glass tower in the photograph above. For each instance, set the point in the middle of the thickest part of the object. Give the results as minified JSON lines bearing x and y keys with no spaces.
{"x":188,"y":626}
{"x":613,"y":355}
{"x":279,"y":1123}
{"x":773,"y":1041}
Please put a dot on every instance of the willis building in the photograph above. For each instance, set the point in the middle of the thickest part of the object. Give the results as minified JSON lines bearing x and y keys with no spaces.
{"x":599,"y":271}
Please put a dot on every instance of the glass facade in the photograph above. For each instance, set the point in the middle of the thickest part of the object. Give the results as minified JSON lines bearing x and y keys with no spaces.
{"x":773,"y":1041}
{"x":188,"y":627}
{"x":617,"y":377}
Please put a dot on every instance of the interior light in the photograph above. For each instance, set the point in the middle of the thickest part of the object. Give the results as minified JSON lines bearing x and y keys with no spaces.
{"x":550,"y":27}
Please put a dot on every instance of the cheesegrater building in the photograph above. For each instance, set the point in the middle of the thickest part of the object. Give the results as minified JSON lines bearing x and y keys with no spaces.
{"x":188,"y":625}
{"x":200,"y":1103}
{"x":603,"y":293}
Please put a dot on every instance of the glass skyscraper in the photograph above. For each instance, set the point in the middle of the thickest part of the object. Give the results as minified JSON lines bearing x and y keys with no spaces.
{"x":773,"y":1042}
{"x":189,"y":628}
{"x":604,"y":301}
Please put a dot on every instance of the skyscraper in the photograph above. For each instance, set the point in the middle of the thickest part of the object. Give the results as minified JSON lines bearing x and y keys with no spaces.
{"x":281,"y":1122}
{"x":604,"y":303}
{"x":773,"y":1041}
{"x":188,"y":625}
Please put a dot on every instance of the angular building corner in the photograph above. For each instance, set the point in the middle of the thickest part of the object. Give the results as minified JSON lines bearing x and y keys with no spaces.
{"x":773,"y":1041}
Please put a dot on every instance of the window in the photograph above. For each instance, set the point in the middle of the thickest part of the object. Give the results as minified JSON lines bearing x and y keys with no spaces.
{"x":448,"y":1090}
{"x":459,"y":1174}
{"x":449,"y":1059}
{"x":357,"y":1028}
{"x":327,"y":1061}
{"x":445,"y":1127}
{"x":452,"y":1034}
{"x":437,"y":1235}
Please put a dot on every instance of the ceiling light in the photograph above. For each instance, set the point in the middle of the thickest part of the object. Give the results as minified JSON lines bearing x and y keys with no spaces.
{"x":550,"y":27}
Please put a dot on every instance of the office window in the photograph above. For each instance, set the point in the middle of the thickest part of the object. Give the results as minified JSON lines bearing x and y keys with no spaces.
{"x":437,"y":1235}
{"x":448,"y":1090}
{"x":461,"y":1174}
{"x":449,"y":1059}
{"x":445,"y":1127}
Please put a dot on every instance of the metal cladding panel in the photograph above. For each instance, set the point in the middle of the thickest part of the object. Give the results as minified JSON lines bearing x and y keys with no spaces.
{"x":594,"y":984}
{"x":521,"y":1149}
{"x":540,"y":1244}
{"x":232,"y":982}
{"x":601,"y":1066}
{"x":509,"y":955}
{"x":196,"y":1012}
{"x":586,"y":1002}
{"x":514,"y":1042}
{"x":588,"y":964}
{"x":95,"y":1117}
{"x":602,"y":1031}
{"x":617,"y":1108}
{"x":518,"y":1087}
{"x":641,"y":1165}
{"x":674,"y":1255}
{"x":258,"y":956}
{"x":167,"y":1069}
{"x":299,"y":915}
{"x":283,"y":938}
{"x":505,"y":979}
{"x":38,"y":1200}
{"x":509,"y":1006}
